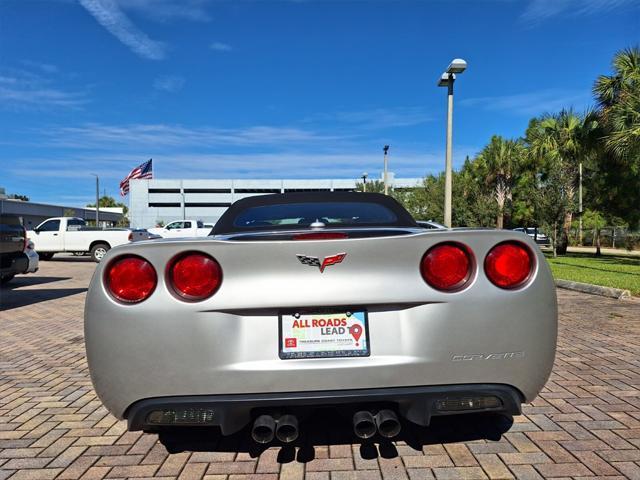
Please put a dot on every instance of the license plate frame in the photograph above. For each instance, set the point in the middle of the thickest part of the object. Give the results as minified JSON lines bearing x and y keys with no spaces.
{"x":360,"y":315}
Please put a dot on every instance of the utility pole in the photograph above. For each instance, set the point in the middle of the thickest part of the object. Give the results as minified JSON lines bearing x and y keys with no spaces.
{"x":97,"y":199}
{"x":580,"y":204}
{"x":385,"y":149}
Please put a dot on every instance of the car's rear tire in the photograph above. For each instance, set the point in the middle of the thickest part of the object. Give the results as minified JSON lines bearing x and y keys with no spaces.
{"x":6,"y":279}
{"x":98,"y":251}
{"x":45,"y":255}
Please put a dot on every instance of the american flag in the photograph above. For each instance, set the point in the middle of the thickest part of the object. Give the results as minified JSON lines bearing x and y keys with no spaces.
{"x":141,"y":171}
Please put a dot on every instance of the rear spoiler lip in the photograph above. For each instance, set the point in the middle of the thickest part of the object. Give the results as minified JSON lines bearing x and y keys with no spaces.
{"x":448,"y":234}
{"x":275,"y":233}
{"x":407,"y":230}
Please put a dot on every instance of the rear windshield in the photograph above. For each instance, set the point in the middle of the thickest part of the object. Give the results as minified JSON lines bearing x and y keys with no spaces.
{"x":75,"y":224}
{"x":304,"y":214}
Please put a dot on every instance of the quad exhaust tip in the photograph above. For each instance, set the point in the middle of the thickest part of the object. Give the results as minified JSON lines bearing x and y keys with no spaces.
{"x":364,"y":425}
{"x":387,"y":423}
{"x":263,"y":429}
{"x":287,"y":428}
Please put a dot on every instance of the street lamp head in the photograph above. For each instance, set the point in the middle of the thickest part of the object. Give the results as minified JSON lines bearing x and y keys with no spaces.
{"x":443,"y":81}
{"x":385,"y":148}
{"x":457,"y":65}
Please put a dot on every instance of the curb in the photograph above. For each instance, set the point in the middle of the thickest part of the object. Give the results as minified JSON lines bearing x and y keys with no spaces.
{"x":593,"y":289}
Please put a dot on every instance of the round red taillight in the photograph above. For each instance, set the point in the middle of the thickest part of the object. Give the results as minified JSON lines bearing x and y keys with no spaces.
{"x":508,"y":264}
{"x":195,"y":276}
{"x":446,"y":266}
{"x":130,"y":279}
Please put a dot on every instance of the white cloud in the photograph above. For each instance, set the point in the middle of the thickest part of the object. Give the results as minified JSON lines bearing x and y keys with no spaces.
{"x":169,"y":83}
{"x":111,"y":17}
{"x":293,"y":163}
{"x":22,"y":90}
{"x":532,"y":103}
{"x":162,"y":136}
{"x":209,"y":152}
{"x":220,"y":47}
{"x":540,"y":10}
{"x":165,"y":10}
{"x":378,"y":118}
{"x":44,"y":67}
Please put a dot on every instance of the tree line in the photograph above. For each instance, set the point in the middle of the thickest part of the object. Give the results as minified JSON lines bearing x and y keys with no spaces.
{"x":533,"y":180}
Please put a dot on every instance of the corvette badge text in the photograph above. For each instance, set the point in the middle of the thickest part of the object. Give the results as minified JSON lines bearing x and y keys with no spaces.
{"x":467,"y":357}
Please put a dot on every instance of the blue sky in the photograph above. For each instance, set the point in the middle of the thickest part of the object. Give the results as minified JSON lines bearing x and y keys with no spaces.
{"x":269,"y":89}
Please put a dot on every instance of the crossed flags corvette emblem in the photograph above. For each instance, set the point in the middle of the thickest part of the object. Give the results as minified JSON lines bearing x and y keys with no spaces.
{"x":326,"y":261}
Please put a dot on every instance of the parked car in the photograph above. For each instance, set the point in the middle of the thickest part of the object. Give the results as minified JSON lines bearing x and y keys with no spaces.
{"x":14,"y":248}
{"x":538,"y":236}
{"x":299,"y":301}
{"x":138,"y":234}
{"x":182,"y":228}
{"x":34,"y":258}
{"x":70,"y":234}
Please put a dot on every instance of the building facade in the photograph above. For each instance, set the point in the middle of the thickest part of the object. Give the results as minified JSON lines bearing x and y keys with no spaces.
{"x":33,"y":214}
{"x":156,"y":201}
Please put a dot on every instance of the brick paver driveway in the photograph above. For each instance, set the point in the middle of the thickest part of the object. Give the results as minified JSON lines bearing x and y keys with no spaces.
{"x":586,"y":423}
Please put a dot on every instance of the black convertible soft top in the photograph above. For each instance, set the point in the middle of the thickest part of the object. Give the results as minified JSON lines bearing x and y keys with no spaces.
{"x":346,"y":209}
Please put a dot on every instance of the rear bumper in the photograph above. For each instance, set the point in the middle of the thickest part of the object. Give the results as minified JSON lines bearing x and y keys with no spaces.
{"x":12,"y":264}
{"x":232,"y":412}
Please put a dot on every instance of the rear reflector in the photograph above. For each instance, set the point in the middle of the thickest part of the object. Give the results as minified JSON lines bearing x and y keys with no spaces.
{"x":130,"y":279}
{"x":447,"y":266}
{"x":468,"y":403}
{"x":181,"y":416}
{"x":509,"y":264}
{"x":320,"y":236}
{"x":195,"y":276}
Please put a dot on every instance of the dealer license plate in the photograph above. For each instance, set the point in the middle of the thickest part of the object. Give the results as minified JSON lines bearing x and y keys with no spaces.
{"x":324,"y":335}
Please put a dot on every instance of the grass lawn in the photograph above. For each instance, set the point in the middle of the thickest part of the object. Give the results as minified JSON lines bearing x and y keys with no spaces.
{"x":608,"y":270}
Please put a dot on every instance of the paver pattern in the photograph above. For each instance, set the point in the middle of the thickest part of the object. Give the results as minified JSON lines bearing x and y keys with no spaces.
{"x":585,"y":424}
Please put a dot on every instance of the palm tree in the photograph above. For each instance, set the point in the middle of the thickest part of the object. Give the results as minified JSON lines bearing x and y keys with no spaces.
{"x":563,"y":141}
{"x":498,"y":162}
{"x":618,"y":169}
{"x":618,"y":97}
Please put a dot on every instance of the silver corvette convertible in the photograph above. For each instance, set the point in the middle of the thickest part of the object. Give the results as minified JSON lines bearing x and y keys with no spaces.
{"x":304,"y":301}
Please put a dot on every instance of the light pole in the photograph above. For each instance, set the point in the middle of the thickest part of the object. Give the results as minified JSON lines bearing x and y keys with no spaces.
{"x":580,"y":205}
{"x":385,"y":149}
{"x":97,"y":199}
{"x":364,"y":181}
{"x":447,"y":79}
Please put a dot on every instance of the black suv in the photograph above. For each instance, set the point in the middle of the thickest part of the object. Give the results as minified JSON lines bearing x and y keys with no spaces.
{"x":13,"y":240}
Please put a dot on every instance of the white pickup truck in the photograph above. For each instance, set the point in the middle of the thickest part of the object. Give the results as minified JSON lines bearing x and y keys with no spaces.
{"x":182,"y":228}
{"x":70,"y":234}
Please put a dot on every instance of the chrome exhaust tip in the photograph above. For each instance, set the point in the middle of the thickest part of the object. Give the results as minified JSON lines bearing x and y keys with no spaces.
{"x":364,"y":425}
{"x":263,"y":429}
{"x":387,"y":423}
{"x":287,"y":428}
